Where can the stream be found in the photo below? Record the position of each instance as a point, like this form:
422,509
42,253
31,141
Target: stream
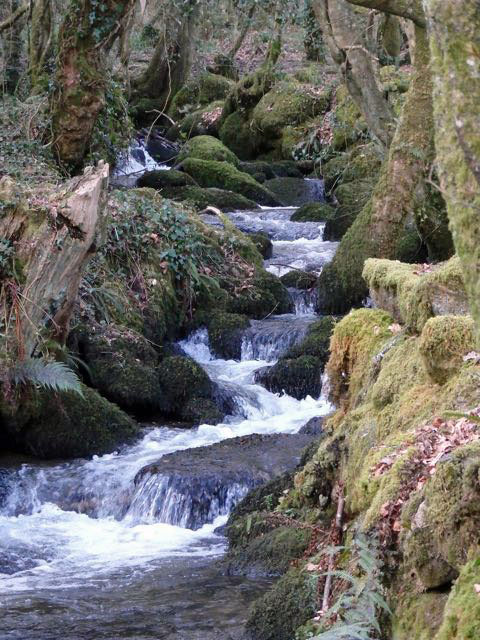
90,549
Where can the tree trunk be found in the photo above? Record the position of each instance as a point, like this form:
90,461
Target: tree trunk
345,30
11,28
41,32
243,33
454,31
51,250
399,192
171,61
86,35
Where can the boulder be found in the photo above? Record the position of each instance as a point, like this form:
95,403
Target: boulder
165,179
299,279
295,191
207,148
211,197
265,295
313,212
225,332
263,243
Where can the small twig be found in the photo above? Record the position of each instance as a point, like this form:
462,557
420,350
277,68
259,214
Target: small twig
331,562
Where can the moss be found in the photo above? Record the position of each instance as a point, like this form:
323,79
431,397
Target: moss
299,279
316,342
165,179
356,339
264,296
199,411
299,377
414,296
181,380
204,121
352,197
313,212
237,134
202,198
223,175
258,168
269,554
462,612
418,615
213,87
444,342
225,332
67,425
395,79
288,103
288,604
207,148
349,124
202,91
263,243
291,192
121,365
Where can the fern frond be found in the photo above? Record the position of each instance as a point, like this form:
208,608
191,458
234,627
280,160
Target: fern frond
49,375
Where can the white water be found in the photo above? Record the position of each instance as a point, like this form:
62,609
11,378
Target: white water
86,525
133,163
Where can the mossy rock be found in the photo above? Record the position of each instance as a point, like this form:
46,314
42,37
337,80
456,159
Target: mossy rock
202,122
263,243
207,148
313,212
288,103
165,179
260,170
202,198
288,604
418,615
269,554
359,163
286,169
299,377
349,124
237,134
199,411
200,92
225,332
223,175
444,342
263,498
462,612
70,425
395,79
265,295
291,192
182,380
299,279
224,66
122,366
317,341
213,87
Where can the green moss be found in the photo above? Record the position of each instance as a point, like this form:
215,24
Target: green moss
316,342
264,296
201,411
213,87
263,243
299,377
204,121
349,124
202,91
444,342
258,168
225,332
67,425
355,340
395,79
223,175
165,179
313,212
202,198
299,279
462,612
291,192
418,615
207,148
238,135
181,380
288,604
414,296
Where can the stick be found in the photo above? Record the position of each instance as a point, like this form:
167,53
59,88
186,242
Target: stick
331,562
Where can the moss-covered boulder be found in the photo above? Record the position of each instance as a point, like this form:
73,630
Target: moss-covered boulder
223,175
202,91
288,103
237,134
299,377
225,332
202,122
313,212
349,124
361,162
462,612
207,148
202,198
292,192
444,342
260,170
165,179
263,296
121,365
298,279
263,243
199,411
186,387
69,425
289,603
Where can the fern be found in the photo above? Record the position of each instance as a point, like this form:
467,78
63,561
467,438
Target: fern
357,609
49,375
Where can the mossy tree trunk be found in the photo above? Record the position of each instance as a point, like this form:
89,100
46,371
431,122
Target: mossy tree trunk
11,28
378,229
87,33
41,33
346,30
454,31
51,246
170,65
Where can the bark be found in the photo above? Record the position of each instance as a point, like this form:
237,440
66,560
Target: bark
170,65
41,32
410,9
18,12
399,192
51,251
454,33
88,32
345,30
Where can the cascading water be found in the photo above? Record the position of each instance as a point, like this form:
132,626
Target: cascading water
120,546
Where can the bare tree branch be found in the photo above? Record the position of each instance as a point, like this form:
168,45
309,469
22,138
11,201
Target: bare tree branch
16,15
